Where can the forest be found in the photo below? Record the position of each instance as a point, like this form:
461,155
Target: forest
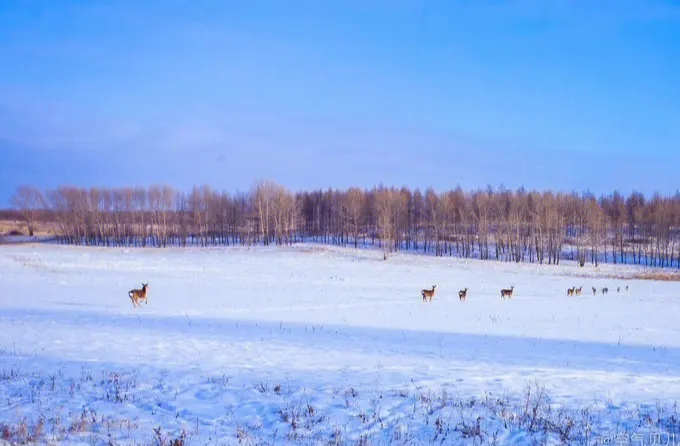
499,224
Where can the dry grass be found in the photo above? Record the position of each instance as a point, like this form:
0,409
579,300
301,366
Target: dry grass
662,274
665,275
313,249
413,415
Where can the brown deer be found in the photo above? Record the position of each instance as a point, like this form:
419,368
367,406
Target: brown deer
507,292
578,290
570,291
137,295
462,294
427,294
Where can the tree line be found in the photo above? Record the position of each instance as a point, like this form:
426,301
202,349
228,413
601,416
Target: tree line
499,224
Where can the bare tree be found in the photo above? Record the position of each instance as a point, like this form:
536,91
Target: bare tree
353,205
389,207
28,200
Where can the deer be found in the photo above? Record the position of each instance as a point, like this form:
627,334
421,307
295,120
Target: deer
507,292
137,295
594,291
570,291
618,289
626,287
462,294
605,290
578,290
427,294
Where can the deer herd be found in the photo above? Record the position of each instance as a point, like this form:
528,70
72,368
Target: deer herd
507,292
137,295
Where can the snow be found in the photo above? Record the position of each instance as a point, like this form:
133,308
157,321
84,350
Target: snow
238,344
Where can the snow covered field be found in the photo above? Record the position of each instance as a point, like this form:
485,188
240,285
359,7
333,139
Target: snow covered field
313,344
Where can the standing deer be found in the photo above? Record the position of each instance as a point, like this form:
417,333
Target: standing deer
507,292
570,291
626,287
427,294
578,290
618,289
594,291
462,294
137,295
605,290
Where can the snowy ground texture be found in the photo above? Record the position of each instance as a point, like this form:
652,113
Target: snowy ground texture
316,345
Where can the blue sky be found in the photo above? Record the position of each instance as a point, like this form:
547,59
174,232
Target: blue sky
542,94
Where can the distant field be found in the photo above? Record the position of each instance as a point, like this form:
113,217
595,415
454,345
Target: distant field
310,344
8,226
